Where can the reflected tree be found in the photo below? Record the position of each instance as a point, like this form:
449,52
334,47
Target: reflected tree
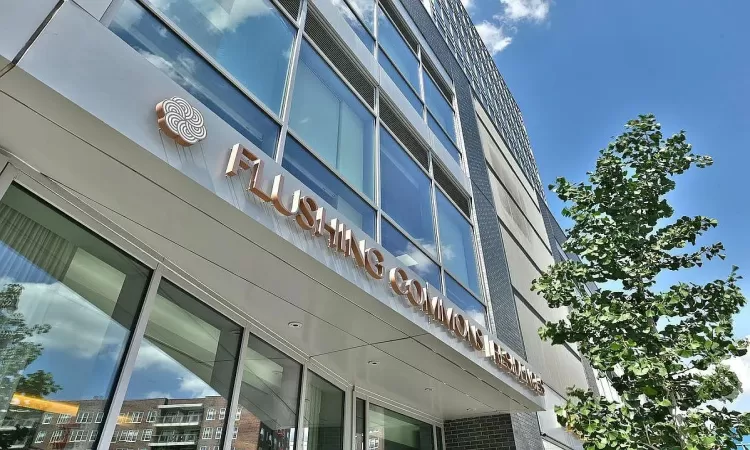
17,351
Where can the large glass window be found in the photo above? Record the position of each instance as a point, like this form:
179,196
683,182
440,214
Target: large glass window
365,9
389,430
324,415
464,300
251,39
397,49
269,396
456,243
401,83
439,106
409,254
332,121
68,303
355,22
166,51
405,191
444,139
300,163
359,425
185,365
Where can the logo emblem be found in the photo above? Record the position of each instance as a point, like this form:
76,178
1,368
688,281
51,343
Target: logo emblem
180,121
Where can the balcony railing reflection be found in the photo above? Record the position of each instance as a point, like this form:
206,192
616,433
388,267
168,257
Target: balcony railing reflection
173,439
179,419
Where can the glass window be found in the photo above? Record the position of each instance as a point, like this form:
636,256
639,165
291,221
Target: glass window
456,243
391,430
439,107
332,120
68,303
440,438
464,300
365,9
166,51
406,191
397,49
354,21
409,254
270,392
359,424
210,414
324,415
187,360
251,39
300,163
443,138
401,83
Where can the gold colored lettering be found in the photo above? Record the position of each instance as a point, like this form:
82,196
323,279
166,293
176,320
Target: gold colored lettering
239,158
374,262
276,194
414,292
397,278
430,306
476,338
461,326
305,218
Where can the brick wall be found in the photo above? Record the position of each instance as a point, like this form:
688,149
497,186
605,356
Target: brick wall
480,433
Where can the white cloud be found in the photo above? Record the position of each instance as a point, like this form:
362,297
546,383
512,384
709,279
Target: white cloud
741,366
494,37
518,10
468,4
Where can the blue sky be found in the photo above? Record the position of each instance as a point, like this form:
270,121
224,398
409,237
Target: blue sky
580,69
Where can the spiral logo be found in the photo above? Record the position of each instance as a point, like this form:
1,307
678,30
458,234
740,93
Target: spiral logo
180,121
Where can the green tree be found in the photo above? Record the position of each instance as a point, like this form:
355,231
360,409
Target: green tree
664,349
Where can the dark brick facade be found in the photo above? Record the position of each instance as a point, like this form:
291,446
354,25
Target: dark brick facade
480,433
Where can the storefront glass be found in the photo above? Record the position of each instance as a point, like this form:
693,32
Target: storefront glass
185,366
324,415
269,398
68,304
389,430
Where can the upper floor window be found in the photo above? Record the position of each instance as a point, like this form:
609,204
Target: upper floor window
439,107
330,119
398,50
251,39
354,15
457,243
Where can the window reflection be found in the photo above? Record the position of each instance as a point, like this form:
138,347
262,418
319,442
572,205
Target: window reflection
68,302
443,138
397,49
162,48
464,300
332,121
359,425
389,430
456,243
324,415
439,107
251,39
184,368
406,191
409,254
300,163
401,83
355,22
268,400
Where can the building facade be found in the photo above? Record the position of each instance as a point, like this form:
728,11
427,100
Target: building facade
269,224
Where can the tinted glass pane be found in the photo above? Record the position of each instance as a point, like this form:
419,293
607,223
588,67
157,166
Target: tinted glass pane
366,11
390,430
324,415
249,38
456,243
397,49
355,23
165,50
268,400
68,303
300,163
439,106
464,300
332,120
185,367
402,85
447,143
440,439
406,191
409,254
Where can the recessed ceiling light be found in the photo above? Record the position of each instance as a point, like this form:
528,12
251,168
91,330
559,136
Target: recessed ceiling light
373,363
470,409
295,324
428,389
